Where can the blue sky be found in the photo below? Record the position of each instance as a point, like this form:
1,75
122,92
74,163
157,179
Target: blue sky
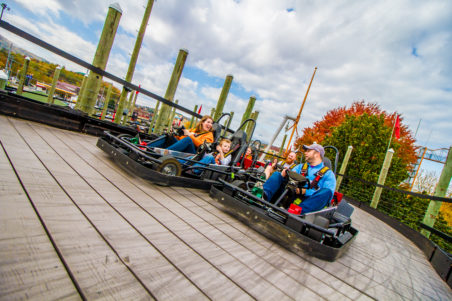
395,53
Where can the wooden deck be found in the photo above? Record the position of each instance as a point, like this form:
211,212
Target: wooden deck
75,226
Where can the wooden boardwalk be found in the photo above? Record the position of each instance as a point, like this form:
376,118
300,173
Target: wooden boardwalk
75,226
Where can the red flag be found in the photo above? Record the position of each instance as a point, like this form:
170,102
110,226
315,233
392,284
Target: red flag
199,111
397,128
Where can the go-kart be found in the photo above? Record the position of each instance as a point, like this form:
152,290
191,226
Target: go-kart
167,167
325,234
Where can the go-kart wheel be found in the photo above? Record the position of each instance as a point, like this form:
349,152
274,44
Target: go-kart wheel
170,166
316,234
240,184
122,136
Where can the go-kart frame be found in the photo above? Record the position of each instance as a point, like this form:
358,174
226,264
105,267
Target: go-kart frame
169,168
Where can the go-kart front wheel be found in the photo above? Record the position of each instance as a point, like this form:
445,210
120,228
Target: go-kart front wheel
316,234
170,166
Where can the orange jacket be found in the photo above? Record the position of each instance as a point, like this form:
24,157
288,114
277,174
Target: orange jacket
199,139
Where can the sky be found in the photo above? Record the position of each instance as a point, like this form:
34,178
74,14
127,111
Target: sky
395,53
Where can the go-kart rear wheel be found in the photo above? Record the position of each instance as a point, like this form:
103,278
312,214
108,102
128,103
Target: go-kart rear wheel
240,184
316,234
170,166
127,136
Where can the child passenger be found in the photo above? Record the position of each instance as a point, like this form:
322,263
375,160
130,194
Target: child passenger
220,157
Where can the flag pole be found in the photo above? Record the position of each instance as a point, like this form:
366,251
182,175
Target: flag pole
295,125
392,132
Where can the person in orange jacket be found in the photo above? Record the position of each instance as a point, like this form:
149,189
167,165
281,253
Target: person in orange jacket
192,138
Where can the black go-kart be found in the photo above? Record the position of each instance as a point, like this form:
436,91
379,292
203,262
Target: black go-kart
325,234
172,168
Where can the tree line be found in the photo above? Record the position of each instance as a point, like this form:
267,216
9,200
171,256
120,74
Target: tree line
43,71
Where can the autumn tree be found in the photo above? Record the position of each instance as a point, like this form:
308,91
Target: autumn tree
368,129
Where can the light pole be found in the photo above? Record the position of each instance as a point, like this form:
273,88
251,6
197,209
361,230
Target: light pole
3,8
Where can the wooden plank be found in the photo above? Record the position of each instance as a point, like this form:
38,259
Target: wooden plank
29,265
349,272
102,206
239,264
372,276
301,270
380,264
317,273
84,251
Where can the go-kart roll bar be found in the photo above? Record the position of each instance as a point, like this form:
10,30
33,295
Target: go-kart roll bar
273,207
336,157
136,149
226,126
133,147
254,127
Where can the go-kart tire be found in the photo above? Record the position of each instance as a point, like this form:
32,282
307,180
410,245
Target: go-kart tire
316,234
120,136
240,184
170,166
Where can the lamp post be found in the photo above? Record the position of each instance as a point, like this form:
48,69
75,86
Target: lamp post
4,6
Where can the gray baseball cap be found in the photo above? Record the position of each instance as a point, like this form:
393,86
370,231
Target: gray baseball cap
316,147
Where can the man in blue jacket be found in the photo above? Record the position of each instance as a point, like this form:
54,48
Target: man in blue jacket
322,179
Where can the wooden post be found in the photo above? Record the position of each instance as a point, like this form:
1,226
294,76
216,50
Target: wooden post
23,74
134,57
132,108
249,127
281,149
223,96
154,118
80,92
93,83
173,113
441,189
124,117
249,109
171,90
382,178
56,75
230,120
106,102
343,167
193,117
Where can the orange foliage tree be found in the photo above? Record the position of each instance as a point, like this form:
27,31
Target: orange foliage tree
334,123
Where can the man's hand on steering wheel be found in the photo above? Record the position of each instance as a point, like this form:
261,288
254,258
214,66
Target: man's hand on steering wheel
284,172
299,191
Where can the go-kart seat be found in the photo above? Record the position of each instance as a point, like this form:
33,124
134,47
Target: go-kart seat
216,130
327,163
238,146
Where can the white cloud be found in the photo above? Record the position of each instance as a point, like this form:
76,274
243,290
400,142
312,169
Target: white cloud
395,53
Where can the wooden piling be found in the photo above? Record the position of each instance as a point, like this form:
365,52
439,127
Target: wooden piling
93,83
249,109
223,96
23,75
134,57
56,75
107,100
171,90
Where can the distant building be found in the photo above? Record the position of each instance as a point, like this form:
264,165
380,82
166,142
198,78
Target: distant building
64,90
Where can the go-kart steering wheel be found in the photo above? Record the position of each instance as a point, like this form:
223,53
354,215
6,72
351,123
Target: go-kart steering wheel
299,180
178,131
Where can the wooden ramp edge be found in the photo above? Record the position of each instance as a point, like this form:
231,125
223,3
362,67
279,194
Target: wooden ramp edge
76,226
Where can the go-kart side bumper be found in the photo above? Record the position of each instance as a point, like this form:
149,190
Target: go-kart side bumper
147,173
273,229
